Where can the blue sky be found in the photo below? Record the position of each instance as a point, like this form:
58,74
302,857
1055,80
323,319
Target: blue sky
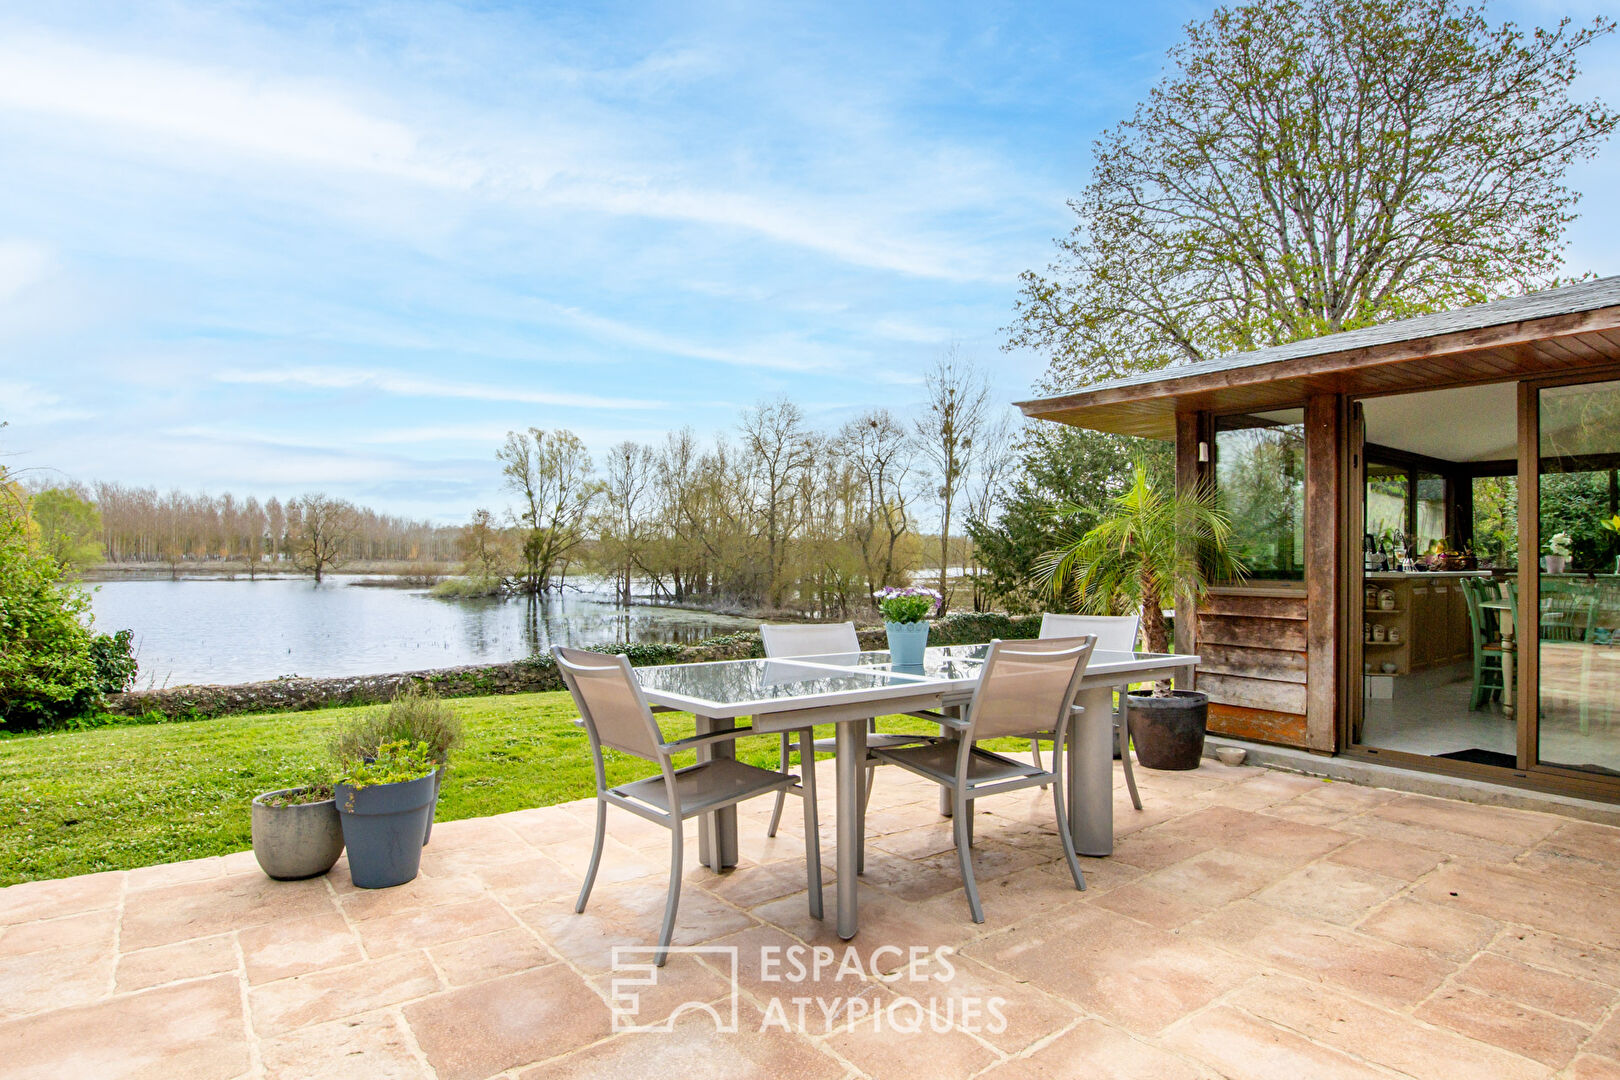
284,247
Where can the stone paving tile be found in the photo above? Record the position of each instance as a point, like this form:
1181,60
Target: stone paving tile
1249,924
1522,1030
475,1031
191,1031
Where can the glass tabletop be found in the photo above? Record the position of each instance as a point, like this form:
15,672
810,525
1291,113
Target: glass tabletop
753,682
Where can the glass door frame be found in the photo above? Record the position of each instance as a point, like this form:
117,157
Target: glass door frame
1527,673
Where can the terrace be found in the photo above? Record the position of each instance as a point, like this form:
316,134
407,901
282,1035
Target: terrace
1249,924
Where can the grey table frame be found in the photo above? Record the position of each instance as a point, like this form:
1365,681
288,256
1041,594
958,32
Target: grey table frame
1090,750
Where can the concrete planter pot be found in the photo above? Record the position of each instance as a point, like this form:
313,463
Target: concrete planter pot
1168,731
298,841
384,827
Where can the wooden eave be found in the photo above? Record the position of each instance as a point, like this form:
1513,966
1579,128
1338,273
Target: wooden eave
1551,345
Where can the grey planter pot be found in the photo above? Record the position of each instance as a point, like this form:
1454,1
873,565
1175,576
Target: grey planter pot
293,842
1169,731
384,827
438,783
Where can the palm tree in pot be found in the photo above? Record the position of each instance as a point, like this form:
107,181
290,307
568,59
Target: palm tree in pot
1153,547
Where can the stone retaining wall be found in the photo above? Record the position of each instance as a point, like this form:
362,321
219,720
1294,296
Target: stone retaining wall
518,677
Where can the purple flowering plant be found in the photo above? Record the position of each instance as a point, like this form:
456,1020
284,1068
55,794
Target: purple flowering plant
911,604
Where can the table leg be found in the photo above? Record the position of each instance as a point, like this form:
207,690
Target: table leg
1090,754
850,769
1509,655
717,831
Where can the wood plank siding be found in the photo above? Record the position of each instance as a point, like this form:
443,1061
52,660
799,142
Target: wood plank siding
1255,649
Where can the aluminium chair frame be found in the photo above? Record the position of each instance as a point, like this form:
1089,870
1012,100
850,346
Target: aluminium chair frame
675,817
1122,715
964,791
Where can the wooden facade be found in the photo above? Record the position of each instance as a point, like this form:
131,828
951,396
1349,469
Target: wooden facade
1278,663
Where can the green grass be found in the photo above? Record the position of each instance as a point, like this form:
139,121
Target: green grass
111,798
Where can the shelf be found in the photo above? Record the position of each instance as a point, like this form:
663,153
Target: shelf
1383,611
1382,644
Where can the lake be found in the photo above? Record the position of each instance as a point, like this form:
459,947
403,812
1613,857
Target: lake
214,630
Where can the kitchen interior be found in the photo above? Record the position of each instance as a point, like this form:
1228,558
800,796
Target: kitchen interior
1440,518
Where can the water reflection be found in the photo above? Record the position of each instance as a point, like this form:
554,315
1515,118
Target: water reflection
219,631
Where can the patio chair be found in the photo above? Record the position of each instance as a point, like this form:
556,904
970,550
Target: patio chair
1020,680
819,639
616,715
1487,653
1114,633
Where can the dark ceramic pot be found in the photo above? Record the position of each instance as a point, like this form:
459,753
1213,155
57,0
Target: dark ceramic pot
1168,731
384,827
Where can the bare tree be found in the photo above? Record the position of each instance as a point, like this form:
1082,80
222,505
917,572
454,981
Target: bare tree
779,447
325,528
958,399
551,473
878,452
994,460
483,550
627,481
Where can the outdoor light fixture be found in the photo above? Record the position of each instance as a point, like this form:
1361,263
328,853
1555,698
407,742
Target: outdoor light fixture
1203,452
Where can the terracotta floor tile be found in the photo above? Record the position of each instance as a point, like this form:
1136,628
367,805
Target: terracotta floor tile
628,915
1383,1036
1511,1026
1310,813
1214,878
1023,1013
1514,895
388,934
1096,1051
472,1032
1591,1067
1455,935
749,886
919,842
1606,1040
530,880
640,997
1168,909
37,982
339,992
774,968
1515,828
1014,898
924,878
171,963
1543,949
204,908
1550,860
1392,857
1263,789
178,873
1332,892
191,1031
505,952
1136,976
296,946
904,1030
420,894
885,921
694,1049
375,1045
33,900
1586,840
1573,999
90,930
1242,1047
1441,841
1319,950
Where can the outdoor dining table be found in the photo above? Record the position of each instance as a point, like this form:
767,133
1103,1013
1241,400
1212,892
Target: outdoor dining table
848,689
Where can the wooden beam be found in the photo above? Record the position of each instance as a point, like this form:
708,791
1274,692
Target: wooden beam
1190,430
1323,496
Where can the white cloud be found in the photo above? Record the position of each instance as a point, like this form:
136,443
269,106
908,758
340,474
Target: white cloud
25,404
21,265
420,386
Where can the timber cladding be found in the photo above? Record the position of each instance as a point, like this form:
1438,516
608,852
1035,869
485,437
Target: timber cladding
1254,662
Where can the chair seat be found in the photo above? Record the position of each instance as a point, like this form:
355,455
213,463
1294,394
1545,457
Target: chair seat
936,760
707,785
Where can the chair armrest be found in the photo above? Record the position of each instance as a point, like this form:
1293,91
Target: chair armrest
693,741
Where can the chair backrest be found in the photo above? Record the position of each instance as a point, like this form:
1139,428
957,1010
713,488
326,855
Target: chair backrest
1027,686
1478,625
1114,633
809,639
610,701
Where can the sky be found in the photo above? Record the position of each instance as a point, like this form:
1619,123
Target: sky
283,247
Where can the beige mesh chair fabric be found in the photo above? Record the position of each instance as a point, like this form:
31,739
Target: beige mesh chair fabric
1024,685
615,714
1114,633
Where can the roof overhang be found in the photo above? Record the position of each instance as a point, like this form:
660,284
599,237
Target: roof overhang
1550,345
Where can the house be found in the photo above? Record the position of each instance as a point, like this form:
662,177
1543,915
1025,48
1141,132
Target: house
1392,491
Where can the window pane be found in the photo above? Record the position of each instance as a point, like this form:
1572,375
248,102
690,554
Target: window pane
1260,482
1431,512
1386,499
1577,626
1496,520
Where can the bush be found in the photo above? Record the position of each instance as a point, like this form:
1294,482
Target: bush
49,669
414,716
114,657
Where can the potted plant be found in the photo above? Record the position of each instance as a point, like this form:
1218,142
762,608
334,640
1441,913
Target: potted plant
1613,525
384,805
905,617
1558,549
415,715
1152,547
296,832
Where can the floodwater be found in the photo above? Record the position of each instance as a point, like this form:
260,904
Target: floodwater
213,630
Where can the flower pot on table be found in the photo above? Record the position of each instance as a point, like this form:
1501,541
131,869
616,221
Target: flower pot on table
907,643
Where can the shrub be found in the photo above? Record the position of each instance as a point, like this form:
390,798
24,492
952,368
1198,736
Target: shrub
414,716
114,657
397,762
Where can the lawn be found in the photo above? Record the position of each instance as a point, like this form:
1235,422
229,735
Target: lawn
76,802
